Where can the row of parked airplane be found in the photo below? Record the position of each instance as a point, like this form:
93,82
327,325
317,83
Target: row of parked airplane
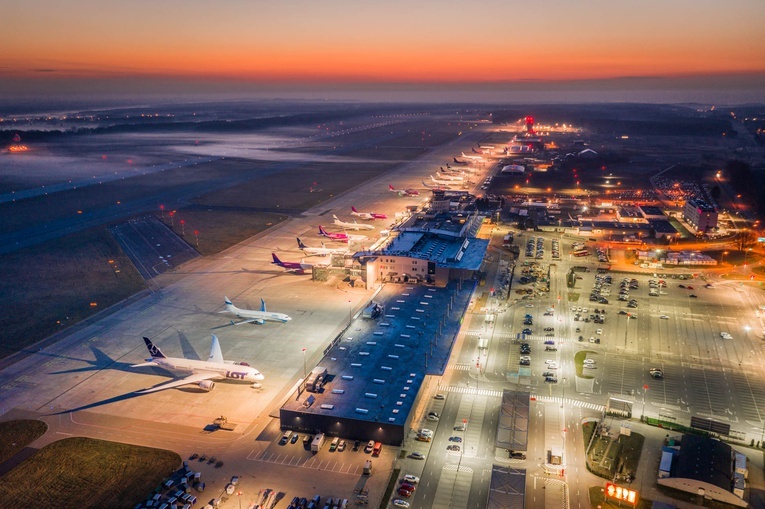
203,373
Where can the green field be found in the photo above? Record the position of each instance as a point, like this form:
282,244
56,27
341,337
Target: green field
64,281
81,473
15,435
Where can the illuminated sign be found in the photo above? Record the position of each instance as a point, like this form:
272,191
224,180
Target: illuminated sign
621,493
760,239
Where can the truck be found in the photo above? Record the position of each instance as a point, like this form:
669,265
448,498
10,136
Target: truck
372,311
368,467
317,442
315,380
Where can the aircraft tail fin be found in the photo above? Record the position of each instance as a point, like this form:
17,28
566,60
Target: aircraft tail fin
229,305
154,350
300,243
322,231
353,209
262,305
277,261
215,353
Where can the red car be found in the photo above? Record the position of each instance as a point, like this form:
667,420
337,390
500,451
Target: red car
404,492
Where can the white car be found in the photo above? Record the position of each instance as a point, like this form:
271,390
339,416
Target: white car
552,365
411,479
599,332
550,361
432,417
400,503
589,366
230,489
589,361
725,335
664,317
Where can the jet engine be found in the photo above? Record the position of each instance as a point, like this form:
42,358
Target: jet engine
206,385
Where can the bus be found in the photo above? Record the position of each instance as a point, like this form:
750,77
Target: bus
581,252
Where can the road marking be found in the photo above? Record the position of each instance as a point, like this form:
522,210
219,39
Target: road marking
570,402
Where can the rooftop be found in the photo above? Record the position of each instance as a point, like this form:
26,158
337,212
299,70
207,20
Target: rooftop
649,210
377,367
705,459
701,204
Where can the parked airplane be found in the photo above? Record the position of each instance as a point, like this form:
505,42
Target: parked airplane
296,267
436,186
455,178
341,237
457,161
477,151
474,158
367,215
352,226
442,182
404,192
260,317
201,373
323,250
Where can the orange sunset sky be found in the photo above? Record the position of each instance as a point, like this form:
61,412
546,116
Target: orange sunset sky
391,41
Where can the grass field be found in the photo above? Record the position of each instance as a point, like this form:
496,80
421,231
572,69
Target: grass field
60,283
80,473
219,229
15,435
579,358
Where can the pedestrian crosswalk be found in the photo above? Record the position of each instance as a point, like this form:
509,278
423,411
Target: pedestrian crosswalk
570,402
519,336
458,367
470,390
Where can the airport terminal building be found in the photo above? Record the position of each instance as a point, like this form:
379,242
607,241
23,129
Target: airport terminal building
435,247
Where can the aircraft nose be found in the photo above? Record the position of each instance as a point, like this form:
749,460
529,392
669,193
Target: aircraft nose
259,377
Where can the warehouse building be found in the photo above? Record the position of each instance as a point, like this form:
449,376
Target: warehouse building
375,369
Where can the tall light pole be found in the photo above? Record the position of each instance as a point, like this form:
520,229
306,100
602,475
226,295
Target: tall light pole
305,373
642,415
350,313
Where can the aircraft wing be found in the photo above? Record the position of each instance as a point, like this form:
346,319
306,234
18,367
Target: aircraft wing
144,364
259,321
191,379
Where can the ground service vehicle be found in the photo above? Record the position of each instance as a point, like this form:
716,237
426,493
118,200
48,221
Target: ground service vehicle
377,449
317,442
368,467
